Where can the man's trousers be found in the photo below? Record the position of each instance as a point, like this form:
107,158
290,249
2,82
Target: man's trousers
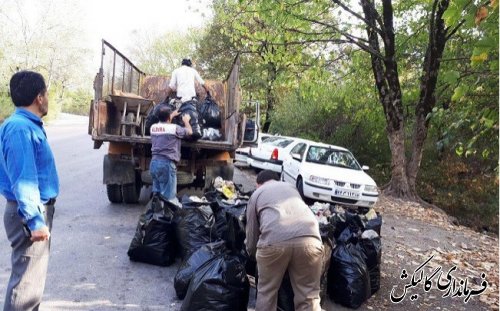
29,262
303,262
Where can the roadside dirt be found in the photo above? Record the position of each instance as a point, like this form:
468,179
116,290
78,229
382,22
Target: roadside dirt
410,235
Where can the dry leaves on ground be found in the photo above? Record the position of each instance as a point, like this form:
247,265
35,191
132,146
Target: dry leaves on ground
479,254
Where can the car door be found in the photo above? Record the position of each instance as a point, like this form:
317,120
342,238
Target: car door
293,164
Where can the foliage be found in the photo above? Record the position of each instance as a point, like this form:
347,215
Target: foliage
466,188
324,89
40,42
161,54
77,102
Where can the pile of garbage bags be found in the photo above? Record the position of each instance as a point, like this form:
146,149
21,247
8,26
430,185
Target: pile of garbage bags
206,117
208,235
354,272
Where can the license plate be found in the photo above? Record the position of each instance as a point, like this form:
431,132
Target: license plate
348,194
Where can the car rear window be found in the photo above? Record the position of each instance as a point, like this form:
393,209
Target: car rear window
282,143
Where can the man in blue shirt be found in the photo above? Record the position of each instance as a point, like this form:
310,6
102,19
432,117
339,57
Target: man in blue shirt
29,182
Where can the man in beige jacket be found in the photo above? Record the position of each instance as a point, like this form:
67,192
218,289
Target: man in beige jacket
283,234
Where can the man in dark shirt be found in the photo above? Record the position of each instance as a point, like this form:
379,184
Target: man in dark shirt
283,234
29,182
166,150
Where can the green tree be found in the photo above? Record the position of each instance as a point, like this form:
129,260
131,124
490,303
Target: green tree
381,42
163,53
42,43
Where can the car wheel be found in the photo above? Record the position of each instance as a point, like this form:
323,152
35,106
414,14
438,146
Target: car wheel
282,177
300,187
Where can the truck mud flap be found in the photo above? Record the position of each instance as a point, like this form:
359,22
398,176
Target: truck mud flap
118,171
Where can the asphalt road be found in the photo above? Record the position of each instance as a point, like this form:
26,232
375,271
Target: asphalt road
89,268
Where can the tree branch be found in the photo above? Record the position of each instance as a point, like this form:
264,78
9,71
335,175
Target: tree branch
368,23
454,30
351,38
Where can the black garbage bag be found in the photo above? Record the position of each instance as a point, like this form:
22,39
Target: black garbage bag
189,107
195,261
221,284
286,295
195,227
210,113
152,117
348,279
154,240
340,221
372,248
374,224
235,234
327,232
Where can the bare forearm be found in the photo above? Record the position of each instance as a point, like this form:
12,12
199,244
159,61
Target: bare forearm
188,128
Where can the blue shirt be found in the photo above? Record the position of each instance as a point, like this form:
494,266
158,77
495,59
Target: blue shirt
27,168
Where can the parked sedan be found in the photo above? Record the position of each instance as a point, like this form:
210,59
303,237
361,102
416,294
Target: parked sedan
241,154
329,173
270,153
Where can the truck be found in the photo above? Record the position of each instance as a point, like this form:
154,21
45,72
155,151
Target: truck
124,96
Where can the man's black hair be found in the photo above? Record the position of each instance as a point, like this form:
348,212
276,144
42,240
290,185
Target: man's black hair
25,86
164,113
266,175
187,62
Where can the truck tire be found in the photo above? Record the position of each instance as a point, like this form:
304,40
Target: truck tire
227,172
212,172
132,192
114,193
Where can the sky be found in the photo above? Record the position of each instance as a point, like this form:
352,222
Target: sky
115,20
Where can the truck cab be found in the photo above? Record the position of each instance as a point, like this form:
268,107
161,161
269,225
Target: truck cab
124,96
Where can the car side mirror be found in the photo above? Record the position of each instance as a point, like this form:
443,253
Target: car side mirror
296,156
365,167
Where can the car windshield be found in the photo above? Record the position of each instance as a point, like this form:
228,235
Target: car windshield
333,157
282,142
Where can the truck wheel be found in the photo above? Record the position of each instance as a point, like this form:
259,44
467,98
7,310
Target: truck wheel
131,192
227,172
114,193
212,172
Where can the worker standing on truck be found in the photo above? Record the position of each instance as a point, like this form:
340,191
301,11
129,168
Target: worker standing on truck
166,151
29,182
283,234
183,80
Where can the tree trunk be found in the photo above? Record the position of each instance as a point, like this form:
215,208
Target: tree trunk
270,96
428,82
385,71
398,186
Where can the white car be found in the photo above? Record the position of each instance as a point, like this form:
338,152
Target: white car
270,153
241,154
329,173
